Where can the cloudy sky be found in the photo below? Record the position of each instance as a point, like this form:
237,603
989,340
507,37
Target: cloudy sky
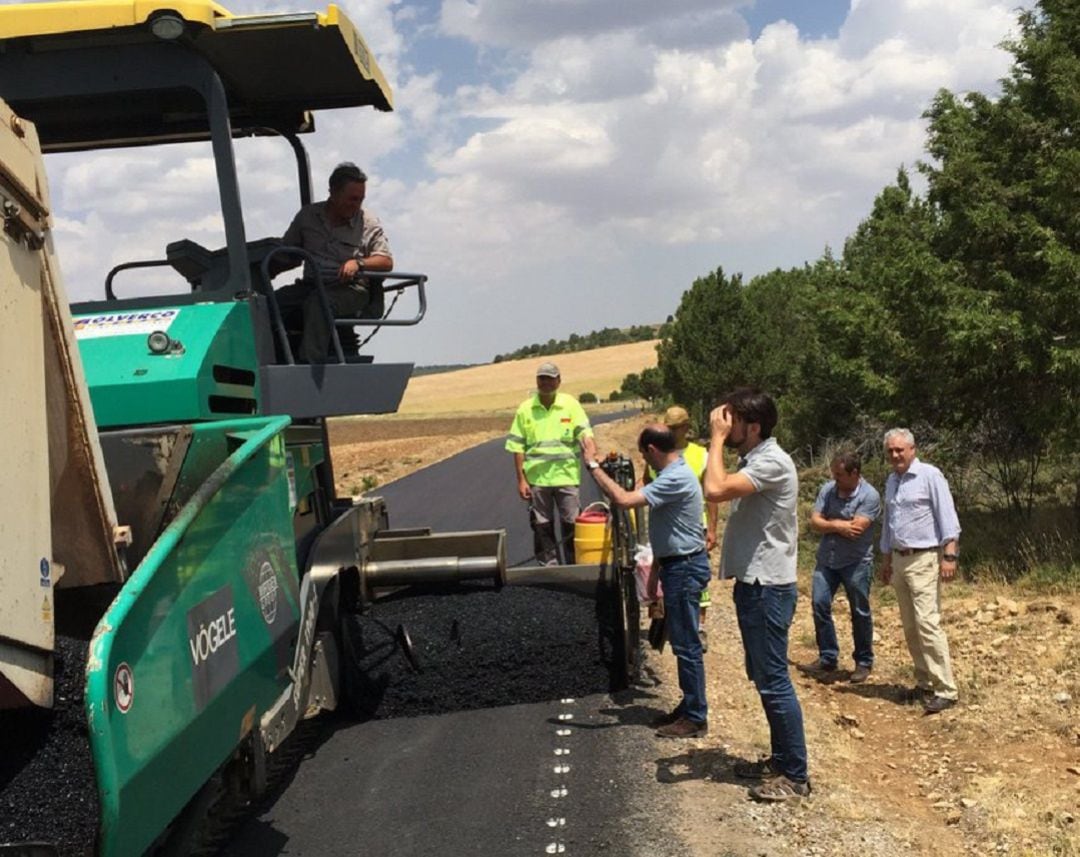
557,166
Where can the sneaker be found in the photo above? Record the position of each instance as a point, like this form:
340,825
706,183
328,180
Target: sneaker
762,769
860,674
684,728
704,635
816,668
937,704
666,719
780,789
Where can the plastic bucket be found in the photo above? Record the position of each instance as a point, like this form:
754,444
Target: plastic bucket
592,535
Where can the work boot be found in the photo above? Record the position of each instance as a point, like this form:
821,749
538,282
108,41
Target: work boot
818,667
861,674
684,728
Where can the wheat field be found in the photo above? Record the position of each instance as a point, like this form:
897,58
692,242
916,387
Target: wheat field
502,386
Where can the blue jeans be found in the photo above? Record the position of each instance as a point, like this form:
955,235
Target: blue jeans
856,581
683,581
765,614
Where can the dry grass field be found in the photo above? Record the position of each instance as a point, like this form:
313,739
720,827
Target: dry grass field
502,386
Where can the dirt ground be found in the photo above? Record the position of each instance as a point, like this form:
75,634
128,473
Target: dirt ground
999,774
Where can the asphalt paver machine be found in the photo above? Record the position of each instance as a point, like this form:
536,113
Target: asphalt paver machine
168,521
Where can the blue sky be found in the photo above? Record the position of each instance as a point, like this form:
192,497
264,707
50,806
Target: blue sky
557,166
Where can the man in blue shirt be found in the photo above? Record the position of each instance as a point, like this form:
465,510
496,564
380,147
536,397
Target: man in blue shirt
844,514
920,539
681,564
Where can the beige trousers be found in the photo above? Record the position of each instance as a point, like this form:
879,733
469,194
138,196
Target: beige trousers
918,594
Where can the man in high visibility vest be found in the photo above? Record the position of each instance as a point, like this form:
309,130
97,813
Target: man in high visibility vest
549,431
696,456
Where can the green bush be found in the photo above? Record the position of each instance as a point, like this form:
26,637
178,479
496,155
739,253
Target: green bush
587,398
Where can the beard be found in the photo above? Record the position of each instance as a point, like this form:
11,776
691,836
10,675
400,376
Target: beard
731,443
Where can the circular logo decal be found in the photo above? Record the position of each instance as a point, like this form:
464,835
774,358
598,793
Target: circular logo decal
268,590
124,688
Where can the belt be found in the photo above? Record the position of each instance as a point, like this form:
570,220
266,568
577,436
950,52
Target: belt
910,551
664,560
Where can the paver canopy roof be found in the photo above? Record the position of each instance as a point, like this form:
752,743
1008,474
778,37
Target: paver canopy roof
275,69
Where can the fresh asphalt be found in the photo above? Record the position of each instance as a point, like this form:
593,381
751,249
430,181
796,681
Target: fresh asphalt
575,776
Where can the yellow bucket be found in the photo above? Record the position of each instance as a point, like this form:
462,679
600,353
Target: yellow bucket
592,535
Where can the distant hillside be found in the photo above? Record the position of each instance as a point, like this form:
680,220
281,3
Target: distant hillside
596,339
436,369
502,386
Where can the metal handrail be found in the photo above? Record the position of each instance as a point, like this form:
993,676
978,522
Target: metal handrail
401,281
110,295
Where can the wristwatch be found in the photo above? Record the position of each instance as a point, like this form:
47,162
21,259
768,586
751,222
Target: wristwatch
950,557
593,465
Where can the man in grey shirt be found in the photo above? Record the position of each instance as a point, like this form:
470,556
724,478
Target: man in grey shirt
759,551
345,241
920,542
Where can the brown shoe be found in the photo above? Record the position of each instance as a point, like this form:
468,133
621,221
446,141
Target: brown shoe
684,728
860,674
780,789
937,704
818,667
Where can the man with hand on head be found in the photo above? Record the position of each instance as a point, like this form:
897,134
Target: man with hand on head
760,551
920,542
548,429
680,563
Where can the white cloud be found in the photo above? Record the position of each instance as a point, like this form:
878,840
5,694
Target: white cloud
598,156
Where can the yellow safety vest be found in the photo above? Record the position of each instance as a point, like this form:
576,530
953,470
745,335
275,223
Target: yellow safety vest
550,440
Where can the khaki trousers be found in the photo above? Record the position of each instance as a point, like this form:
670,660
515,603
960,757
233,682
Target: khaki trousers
917,583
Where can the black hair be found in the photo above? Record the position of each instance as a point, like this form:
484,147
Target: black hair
751,405
850,460
659,436
345,173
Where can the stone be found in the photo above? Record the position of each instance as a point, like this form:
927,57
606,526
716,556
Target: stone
967,803
1062,698
953,817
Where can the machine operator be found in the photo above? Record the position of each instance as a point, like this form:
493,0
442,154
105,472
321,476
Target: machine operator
346,241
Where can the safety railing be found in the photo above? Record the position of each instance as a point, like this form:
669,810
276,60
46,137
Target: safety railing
389,281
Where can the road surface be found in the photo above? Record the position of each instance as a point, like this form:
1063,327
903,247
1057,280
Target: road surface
570,775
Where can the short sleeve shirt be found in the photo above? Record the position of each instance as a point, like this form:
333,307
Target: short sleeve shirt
675,508
332,245
865,502
762,532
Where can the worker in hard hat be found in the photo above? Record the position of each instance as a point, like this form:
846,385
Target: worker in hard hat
677,419
549,430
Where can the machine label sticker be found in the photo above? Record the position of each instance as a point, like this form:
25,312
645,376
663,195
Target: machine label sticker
212,644
290,471
124,688
124,323
268,592
44,569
